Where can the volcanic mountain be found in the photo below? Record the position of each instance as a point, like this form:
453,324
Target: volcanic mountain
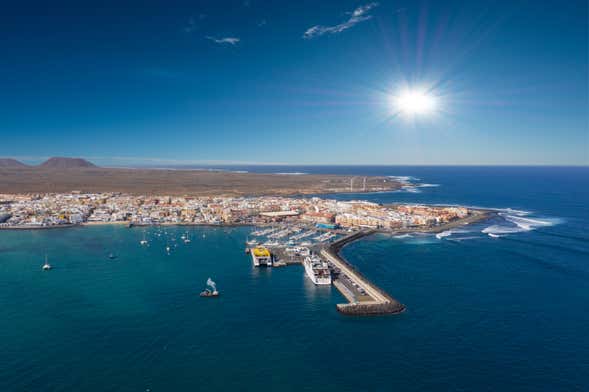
10,163
66,163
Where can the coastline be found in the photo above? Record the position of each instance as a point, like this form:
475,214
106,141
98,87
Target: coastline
381,302
479,215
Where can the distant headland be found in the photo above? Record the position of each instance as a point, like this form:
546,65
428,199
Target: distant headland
59,175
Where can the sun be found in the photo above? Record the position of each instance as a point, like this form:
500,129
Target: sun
414,102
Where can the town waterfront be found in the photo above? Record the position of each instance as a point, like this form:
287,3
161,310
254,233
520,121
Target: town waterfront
482,313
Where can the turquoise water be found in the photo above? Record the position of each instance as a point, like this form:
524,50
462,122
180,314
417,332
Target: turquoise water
483,313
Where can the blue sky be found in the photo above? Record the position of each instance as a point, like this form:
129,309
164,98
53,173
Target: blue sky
303,82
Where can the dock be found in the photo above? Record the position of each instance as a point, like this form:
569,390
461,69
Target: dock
364,297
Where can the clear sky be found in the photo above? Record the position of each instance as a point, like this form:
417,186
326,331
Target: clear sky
299,82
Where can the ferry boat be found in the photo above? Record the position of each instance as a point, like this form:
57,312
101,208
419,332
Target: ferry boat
261,256
317,270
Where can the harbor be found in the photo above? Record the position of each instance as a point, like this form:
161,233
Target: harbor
325,266
320,254
364,297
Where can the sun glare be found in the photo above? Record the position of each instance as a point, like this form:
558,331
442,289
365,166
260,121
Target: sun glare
414,102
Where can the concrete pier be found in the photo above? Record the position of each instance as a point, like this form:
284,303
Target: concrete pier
364,297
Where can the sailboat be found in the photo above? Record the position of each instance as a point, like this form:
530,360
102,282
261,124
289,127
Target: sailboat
210,290
143,241
46,266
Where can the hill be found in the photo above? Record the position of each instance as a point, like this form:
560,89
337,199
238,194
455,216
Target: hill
66,163
9,162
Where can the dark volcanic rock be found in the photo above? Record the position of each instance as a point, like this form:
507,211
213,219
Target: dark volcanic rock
65,163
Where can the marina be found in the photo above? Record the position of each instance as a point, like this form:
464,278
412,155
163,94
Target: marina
324,266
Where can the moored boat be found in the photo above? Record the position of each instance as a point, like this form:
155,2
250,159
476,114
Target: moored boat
317,270
261,256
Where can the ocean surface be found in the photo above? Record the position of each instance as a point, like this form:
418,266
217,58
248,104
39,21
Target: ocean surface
499,305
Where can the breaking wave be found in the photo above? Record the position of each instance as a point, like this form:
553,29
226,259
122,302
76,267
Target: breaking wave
410,184
517,221
448,233
402,236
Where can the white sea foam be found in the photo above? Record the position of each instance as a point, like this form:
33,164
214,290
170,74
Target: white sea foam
519,221
404,179
409,184
458,239
448,233
401,236
292,173
499,229
444,234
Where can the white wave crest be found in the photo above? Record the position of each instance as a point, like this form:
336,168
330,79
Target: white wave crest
411,189
520,221
401,236
405,179
448,233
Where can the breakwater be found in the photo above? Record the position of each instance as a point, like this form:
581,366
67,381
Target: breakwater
364,297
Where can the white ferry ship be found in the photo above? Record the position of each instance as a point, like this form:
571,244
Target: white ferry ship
261,256
317,270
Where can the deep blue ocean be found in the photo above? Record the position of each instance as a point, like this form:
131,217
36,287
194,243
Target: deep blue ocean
507,312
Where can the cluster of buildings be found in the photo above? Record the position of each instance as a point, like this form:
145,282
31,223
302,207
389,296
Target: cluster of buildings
76,208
